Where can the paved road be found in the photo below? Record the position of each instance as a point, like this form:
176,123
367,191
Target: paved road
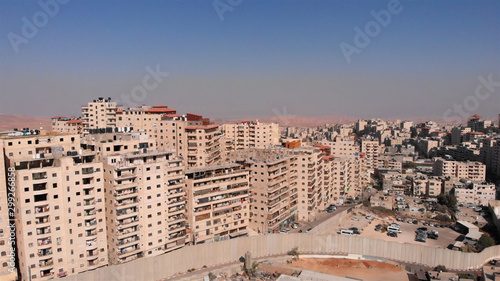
321,218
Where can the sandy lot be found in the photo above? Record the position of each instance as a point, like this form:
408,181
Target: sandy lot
446,236
365,270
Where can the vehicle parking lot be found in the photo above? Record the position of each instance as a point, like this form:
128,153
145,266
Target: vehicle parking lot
367,227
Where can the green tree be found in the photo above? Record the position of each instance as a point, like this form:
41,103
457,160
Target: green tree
440,268
448,200
294,252
485,241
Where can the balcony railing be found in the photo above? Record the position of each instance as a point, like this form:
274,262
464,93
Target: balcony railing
127,241
39,176
40,210
46,263
44,242
43,253
87,171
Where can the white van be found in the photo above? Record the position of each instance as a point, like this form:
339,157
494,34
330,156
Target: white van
394,229
347,232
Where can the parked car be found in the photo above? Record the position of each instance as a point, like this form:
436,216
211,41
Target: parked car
369,217
420,239
394,229
423,228
295,225
395,224
378,227
309,229
355,219
285,230
415,221
432,236
355,230
347,232
392,234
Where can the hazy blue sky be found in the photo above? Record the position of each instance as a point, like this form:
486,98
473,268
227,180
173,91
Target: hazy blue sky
262,57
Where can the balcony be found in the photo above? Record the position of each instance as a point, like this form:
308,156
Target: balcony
126,202
177,235
175,227
88,204
91,244
176,218
123,222
47,273
125,175
44,242
42,220
45,252
201,209
90,223
46,263
90,213
42,209
92,254
128,250
90,233
127,241
87,171
40,186
39,176
125,192
127,212
88,195
175,201
127,231
43,231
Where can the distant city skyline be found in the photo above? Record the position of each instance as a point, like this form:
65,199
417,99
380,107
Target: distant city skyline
259,60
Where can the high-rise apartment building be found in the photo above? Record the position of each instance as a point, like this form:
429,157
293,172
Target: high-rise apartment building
310,169
145,198
470,170
251,134
371,149
218,202
99,114
67,125
145,204
273,187
59,198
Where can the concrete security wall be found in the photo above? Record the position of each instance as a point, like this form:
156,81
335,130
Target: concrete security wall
217,253
326,226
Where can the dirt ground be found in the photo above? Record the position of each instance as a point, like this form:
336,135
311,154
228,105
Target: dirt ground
361,269
367,228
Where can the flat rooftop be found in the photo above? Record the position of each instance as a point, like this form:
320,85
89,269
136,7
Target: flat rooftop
211,168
